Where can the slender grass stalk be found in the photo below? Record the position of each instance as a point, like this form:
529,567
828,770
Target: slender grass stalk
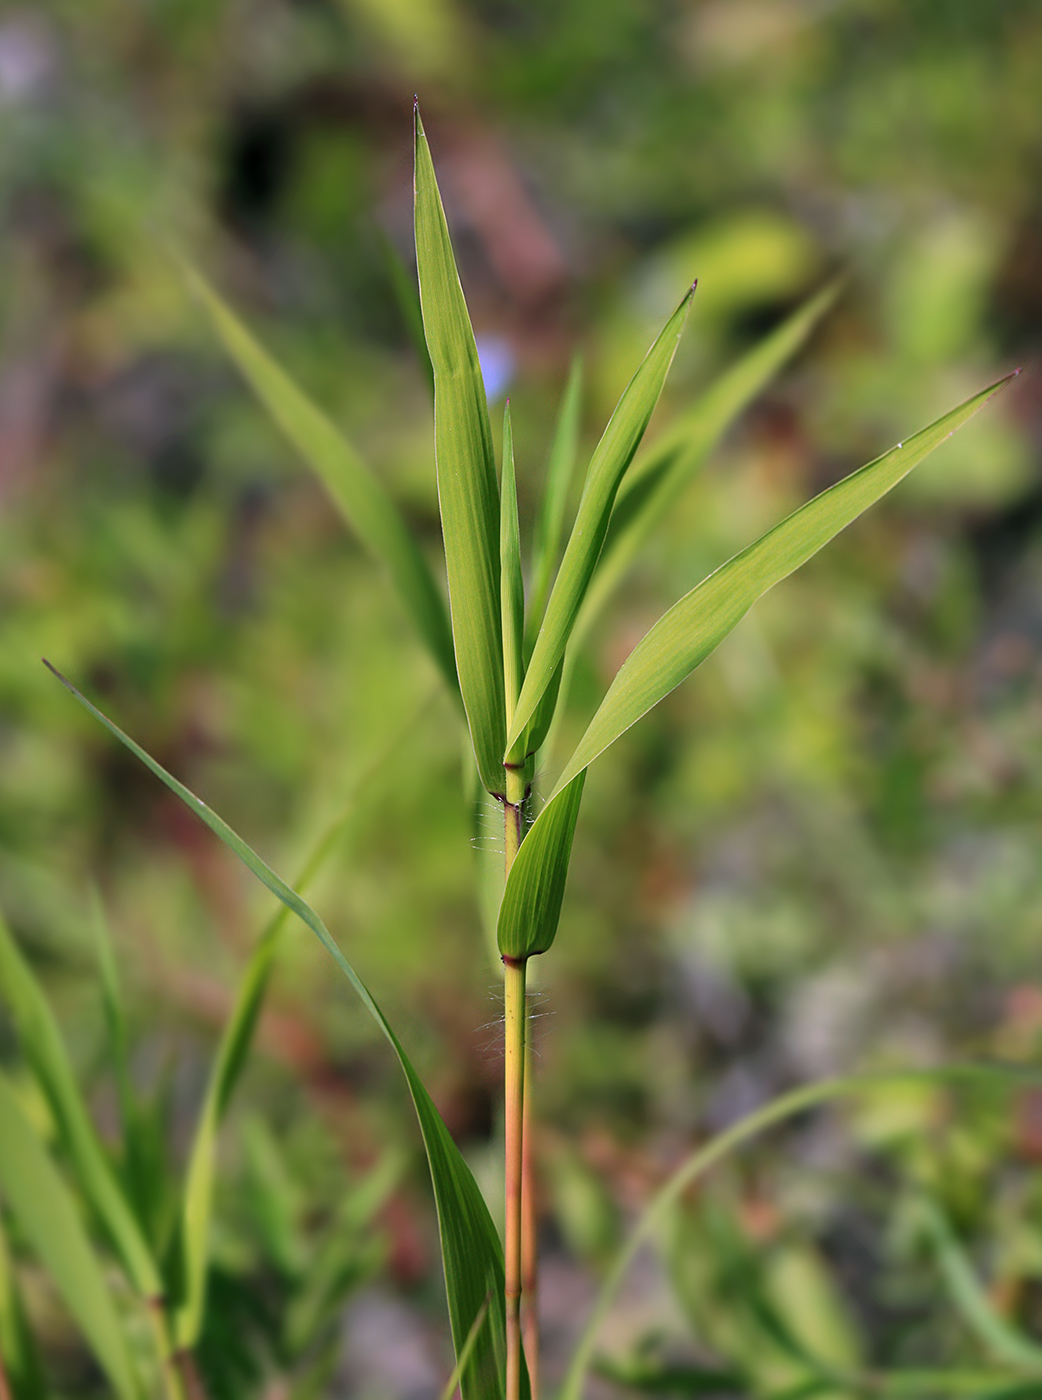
529,1234
514,1102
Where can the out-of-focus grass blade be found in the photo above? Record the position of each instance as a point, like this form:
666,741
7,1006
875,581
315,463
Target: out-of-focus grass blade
45,1211
144,1173
694,626
512,589
611,457
531,907
408,299
471,1250
359,497
44,1051
550,520
657,479
19,1360
1000,1338
467,490
797,1101
232,1053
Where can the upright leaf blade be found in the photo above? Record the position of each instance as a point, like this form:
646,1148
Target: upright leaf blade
471,1251
467,490
694,626
550,520
43,1206
531,906
19,1359
611,457
43,1049
359,497
512,592
654,484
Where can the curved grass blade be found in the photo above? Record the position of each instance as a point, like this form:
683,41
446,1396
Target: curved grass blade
1000,1338
611,457
45,1053
357,494
471,1251
696,625
550,520
467,491
531,906
700,1161
40,1200
20,1369
654,484
512,589
232,1052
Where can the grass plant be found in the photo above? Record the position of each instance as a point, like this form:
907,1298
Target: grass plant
507,660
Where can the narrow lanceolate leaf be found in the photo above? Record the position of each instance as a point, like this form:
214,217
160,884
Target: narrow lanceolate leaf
232,1053
19,1359
512,592
360,498
40,1201
657,479
467,490
550,520
531,907
697,624
471,1251
45,1052
611,457
683,638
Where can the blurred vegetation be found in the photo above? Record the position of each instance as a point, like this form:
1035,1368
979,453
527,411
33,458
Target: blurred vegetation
819,855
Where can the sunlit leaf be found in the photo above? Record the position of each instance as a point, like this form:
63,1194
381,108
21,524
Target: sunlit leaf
549,523
696,625
19,1358
467,491
611,457
512,590
657,479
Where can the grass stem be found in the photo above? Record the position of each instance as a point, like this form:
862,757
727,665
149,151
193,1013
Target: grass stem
514,1097
514,1084
529,1235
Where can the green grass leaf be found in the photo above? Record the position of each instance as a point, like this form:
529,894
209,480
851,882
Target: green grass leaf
797,1101
45,1053
994,1331
407,297
45,1211
19,1358
699,622
467,491
611,457
531,906
472,1254
512,589
549,523
656,481
232,1052
357,494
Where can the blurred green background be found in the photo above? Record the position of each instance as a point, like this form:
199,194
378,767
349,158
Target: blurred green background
819,855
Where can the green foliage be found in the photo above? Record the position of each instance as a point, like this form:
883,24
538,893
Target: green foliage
467,490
